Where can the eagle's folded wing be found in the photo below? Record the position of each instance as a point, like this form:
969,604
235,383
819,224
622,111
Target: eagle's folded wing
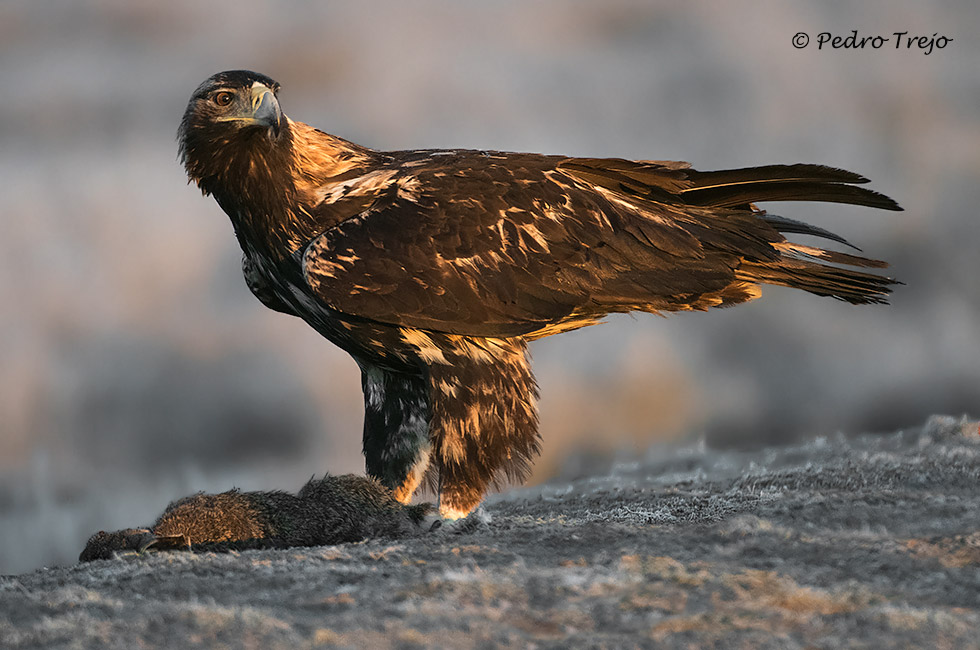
567,244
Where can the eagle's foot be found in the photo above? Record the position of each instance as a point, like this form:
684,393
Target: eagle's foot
475,520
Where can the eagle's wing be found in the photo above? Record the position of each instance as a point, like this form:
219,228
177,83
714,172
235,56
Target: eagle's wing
510,244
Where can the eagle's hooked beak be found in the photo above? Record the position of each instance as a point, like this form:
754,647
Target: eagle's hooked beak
265,108
263,111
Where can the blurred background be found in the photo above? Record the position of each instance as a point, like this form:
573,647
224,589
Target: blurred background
135,366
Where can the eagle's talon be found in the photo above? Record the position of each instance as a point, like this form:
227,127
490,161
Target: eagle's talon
476,520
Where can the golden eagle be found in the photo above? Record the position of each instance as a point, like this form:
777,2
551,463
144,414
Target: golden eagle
434,268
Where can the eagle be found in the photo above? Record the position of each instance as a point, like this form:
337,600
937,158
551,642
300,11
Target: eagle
434,269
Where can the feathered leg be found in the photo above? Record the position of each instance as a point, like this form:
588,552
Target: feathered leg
396,428
484,425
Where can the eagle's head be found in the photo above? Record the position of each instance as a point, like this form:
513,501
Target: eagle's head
232,118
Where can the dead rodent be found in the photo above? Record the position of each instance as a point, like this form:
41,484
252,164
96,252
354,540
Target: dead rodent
331,510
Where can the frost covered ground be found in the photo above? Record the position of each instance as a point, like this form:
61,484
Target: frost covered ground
870,541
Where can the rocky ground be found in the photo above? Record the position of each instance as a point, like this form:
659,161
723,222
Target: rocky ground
870,541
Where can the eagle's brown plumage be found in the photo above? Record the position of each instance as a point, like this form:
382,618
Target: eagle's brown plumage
434,268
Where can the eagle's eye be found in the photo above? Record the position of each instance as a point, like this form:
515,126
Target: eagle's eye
223,98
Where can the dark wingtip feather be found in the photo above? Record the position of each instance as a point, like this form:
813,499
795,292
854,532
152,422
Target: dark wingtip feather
737,194
892,204
795,172
666,183
799,182
881,201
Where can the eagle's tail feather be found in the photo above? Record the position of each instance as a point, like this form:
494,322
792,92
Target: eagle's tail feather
792,226
798,266
732,223
806,272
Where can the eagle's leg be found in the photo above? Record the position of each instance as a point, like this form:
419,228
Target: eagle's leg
396,428
484,425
